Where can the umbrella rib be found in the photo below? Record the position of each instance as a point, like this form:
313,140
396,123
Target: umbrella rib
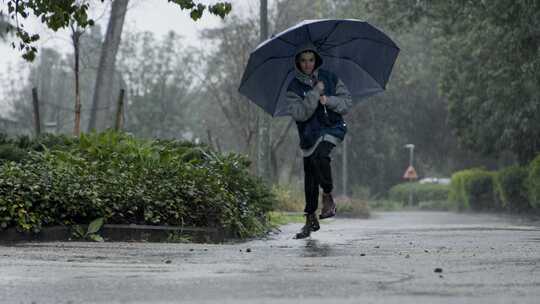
309,33
259,65
287,42
331,32
279,91
351,60
359,38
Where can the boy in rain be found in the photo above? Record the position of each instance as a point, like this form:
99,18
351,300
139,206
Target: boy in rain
317,99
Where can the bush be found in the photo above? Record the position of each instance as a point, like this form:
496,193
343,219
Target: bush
385,205
436,205
288,200
511,189
421,192
473,189
352,207
533,183
9,152
127,180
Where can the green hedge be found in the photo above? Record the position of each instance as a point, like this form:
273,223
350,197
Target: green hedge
128,180
533,183
421,192
473,189
510,188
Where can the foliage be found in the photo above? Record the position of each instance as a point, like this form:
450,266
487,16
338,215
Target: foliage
421,192
91,232
10,152
60,14
533,182
436,205
127,180
158,73
352,207
279,218
510,188
385,205
473,189
489,61
288,199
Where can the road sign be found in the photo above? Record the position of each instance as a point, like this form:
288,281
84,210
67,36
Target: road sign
410,174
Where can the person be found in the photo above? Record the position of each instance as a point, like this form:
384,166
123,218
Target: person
316,100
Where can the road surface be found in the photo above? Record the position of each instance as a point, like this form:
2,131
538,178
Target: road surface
393,257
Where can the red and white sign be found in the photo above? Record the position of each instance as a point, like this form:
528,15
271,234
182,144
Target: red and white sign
410,174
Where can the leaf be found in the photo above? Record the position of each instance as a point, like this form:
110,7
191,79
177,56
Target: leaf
78,231
96,238
94,226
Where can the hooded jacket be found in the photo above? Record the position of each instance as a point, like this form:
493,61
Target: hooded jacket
314,122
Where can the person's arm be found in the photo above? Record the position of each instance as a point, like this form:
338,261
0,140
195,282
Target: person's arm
300,108
342,101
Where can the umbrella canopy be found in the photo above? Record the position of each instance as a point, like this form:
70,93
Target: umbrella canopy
358,53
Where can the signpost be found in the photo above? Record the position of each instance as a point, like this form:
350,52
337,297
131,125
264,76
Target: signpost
410,173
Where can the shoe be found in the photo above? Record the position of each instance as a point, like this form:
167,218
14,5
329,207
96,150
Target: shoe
312,224
329,206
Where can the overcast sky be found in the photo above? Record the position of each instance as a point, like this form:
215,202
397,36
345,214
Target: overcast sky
157,16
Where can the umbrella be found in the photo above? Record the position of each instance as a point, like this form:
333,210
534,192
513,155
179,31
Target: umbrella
358,53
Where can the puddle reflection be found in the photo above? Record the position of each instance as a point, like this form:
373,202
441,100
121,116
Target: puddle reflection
315,248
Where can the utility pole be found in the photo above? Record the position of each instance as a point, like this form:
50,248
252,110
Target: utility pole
263,138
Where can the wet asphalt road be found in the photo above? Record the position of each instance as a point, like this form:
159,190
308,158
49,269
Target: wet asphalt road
390,258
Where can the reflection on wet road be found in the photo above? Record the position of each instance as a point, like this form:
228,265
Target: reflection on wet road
396,257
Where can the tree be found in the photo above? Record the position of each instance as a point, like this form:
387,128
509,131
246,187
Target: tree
489,61
159,85
60,14
263,142
103,88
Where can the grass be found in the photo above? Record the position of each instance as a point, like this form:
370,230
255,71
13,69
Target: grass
352,207
279,218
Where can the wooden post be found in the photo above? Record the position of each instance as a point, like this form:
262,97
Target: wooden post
35,103
119,111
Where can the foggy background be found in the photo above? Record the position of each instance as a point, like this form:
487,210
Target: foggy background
181,79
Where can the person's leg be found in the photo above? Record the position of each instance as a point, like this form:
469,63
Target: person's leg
311,185
324,170
311,191
322,166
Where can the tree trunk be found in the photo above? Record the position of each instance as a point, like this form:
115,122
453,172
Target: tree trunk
35,104
105,74
263,139
75,38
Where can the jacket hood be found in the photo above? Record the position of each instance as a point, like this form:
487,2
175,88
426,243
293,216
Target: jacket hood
308,47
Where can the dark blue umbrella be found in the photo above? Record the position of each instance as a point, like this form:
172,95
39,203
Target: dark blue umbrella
358,53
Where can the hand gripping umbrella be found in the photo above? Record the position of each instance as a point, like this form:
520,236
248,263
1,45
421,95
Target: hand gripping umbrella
358,53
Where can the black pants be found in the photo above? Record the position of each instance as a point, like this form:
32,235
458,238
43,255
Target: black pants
317,172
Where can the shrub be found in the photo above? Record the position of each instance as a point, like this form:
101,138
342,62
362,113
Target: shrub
10,152
127,180
352,207
421,192
533,183
510,188
472,189
288,200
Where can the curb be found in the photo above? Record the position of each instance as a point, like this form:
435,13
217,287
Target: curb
124,233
